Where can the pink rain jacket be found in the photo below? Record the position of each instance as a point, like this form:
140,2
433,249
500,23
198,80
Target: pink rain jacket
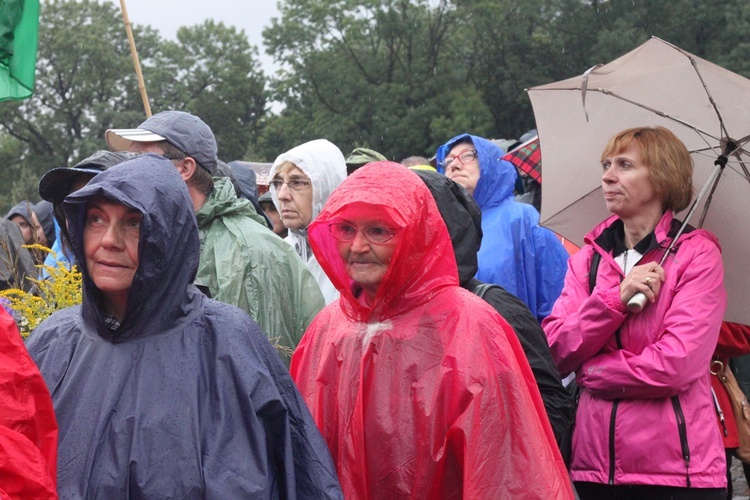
428,394
645,414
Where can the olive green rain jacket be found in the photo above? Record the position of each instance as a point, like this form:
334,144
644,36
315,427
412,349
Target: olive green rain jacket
244,264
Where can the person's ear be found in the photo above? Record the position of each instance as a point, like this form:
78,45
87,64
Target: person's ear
186,168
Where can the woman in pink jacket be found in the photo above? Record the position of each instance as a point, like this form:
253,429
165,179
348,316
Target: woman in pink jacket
645,426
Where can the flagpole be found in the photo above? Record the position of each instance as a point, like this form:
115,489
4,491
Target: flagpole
136,62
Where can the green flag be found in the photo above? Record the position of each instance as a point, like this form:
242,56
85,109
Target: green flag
19,30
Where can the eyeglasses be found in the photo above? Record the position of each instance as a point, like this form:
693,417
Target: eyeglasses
463,158
294,184
374,234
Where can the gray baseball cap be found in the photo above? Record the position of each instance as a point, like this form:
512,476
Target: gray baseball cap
183,130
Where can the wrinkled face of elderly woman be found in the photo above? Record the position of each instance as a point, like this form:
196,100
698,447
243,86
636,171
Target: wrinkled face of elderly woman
366,242
295,193
110,241
461,165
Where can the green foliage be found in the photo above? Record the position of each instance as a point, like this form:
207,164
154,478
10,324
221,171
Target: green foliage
85,84
404,76
373,73
399,76
84,78
61,290
211,71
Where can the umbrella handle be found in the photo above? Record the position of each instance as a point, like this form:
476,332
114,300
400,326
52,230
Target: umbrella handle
637,302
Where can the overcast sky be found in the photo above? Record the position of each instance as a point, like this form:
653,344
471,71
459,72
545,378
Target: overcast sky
168,15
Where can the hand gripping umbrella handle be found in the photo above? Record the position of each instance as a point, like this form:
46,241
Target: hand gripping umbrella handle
637,302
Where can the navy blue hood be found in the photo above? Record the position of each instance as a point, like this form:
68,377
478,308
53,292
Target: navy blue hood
168,249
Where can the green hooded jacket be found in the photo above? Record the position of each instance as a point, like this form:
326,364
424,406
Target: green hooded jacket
244,264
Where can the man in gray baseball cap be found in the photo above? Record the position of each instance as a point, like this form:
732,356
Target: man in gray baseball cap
242,262
186,132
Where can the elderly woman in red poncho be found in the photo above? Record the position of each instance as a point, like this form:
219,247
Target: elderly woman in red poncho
419,387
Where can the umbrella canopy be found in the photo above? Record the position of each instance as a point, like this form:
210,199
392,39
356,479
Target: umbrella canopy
527,158
705,105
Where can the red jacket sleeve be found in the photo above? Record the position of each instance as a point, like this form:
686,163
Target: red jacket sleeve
734,340
28,429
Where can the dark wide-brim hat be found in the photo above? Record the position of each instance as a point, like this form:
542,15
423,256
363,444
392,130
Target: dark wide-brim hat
58,182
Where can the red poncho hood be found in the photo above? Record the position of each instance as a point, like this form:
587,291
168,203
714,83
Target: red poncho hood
422,265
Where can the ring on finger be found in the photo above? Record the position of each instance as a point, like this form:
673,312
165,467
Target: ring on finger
648,282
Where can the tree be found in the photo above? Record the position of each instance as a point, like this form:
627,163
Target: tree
85,84
506,49
212,71
374,73
84,80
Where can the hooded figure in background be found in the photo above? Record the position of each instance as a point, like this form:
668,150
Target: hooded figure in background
419,387
43,211
16,262
516,253
302,179
246,184
22,214
464,221
160,391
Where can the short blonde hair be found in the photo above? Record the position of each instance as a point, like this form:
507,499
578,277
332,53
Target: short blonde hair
668,161
284,168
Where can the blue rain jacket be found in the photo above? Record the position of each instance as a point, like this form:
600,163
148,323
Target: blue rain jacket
187,399
516,253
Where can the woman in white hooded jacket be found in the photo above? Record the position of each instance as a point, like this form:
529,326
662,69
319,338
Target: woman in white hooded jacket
302,179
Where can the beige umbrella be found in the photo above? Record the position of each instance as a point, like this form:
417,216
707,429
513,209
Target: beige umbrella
706,106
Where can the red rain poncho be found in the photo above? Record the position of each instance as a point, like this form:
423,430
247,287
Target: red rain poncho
28,429
428,394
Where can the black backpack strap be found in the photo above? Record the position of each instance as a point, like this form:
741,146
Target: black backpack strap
594,269
573,388
481,290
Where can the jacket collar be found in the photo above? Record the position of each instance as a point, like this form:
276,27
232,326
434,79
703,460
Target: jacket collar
609,236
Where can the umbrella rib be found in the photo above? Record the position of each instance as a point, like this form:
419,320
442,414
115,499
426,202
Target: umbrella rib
738,151
694,64
742,164
659,113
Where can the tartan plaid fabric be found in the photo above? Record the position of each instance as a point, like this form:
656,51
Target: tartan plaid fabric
528,159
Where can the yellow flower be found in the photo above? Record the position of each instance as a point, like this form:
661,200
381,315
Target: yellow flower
62,289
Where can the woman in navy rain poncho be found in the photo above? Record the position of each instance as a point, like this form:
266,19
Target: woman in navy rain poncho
174,395
516,253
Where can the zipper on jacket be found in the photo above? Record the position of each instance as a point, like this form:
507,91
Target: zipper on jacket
720,413
612,420
682,429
